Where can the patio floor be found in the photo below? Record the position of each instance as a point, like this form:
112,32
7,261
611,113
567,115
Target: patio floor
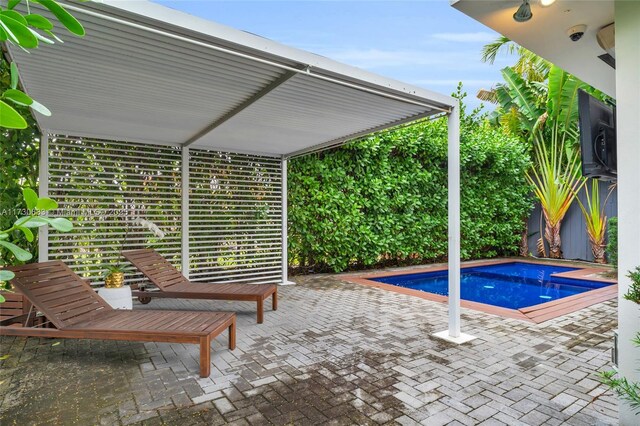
334,352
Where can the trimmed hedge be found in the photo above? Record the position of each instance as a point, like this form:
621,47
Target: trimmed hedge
383,200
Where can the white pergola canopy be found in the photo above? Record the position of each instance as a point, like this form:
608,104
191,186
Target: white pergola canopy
147,73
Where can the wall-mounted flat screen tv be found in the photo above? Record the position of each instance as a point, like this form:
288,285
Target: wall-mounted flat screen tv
597,137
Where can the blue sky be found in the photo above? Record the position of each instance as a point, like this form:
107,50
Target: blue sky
425,43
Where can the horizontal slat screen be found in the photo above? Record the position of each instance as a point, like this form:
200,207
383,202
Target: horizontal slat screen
234,217
103,187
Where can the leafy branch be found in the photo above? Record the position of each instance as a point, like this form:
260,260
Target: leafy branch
626,390
27,31
38,207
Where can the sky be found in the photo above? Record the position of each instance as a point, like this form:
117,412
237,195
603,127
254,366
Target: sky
425,43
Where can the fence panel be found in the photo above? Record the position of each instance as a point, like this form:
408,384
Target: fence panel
102,187
235,210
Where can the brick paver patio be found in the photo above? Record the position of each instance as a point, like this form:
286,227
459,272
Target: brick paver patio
334,353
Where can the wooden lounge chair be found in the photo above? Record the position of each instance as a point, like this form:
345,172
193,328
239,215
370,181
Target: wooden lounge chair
77,312
173,284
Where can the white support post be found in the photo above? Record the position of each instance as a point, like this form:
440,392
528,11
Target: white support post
454,222
284,219
627,16
453,334
185,212
43,184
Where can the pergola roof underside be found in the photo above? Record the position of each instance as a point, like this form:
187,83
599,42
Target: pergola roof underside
126,83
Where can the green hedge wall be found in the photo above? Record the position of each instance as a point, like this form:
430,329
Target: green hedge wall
383,200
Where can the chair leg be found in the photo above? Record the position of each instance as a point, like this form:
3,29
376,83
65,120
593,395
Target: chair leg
205,356
232,335
260,310
274,300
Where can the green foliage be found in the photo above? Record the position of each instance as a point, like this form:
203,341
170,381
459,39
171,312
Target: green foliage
20,153
595,219
529,66
634,289
556,180
384,199
27,30
35,218
612,241
112,268
626,390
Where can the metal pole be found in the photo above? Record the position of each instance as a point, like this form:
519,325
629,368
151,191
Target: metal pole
43,184
454,222
285,258
453,334
185,212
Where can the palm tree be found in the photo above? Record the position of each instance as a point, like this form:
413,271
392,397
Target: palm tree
529,66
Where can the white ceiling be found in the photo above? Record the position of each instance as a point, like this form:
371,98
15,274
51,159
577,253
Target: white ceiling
545,34
146,73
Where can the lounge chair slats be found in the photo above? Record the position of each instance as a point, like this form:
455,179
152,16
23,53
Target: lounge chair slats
172,284
36,285
77,312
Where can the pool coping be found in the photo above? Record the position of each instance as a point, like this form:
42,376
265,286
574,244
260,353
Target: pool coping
536,313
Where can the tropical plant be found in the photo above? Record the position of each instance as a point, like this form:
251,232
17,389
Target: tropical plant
529,66
28,30
628,391
556,178
542,114
122,267
520,101
595,219
37,209
633,294
113,268
520,104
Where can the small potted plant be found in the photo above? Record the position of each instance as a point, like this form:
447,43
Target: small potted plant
114,272
114,275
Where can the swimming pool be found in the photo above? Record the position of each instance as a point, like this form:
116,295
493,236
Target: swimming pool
512,285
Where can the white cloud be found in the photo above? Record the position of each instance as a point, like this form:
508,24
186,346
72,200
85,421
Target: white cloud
476,37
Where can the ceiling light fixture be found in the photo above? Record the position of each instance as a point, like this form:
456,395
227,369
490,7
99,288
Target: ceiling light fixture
524,12
547,3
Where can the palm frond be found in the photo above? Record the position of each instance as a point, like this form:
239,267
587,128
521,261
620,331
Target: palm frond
542,250
490,51
487,95
522,96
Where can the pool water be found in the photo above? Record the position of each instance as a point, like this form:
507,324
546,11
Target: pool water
511,285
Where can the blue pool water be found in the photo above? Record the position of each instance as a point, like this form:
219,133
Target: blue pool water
512,285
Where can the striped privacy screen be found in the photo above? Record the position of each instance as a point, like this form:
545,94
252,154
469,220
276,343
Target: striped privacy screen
113,191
